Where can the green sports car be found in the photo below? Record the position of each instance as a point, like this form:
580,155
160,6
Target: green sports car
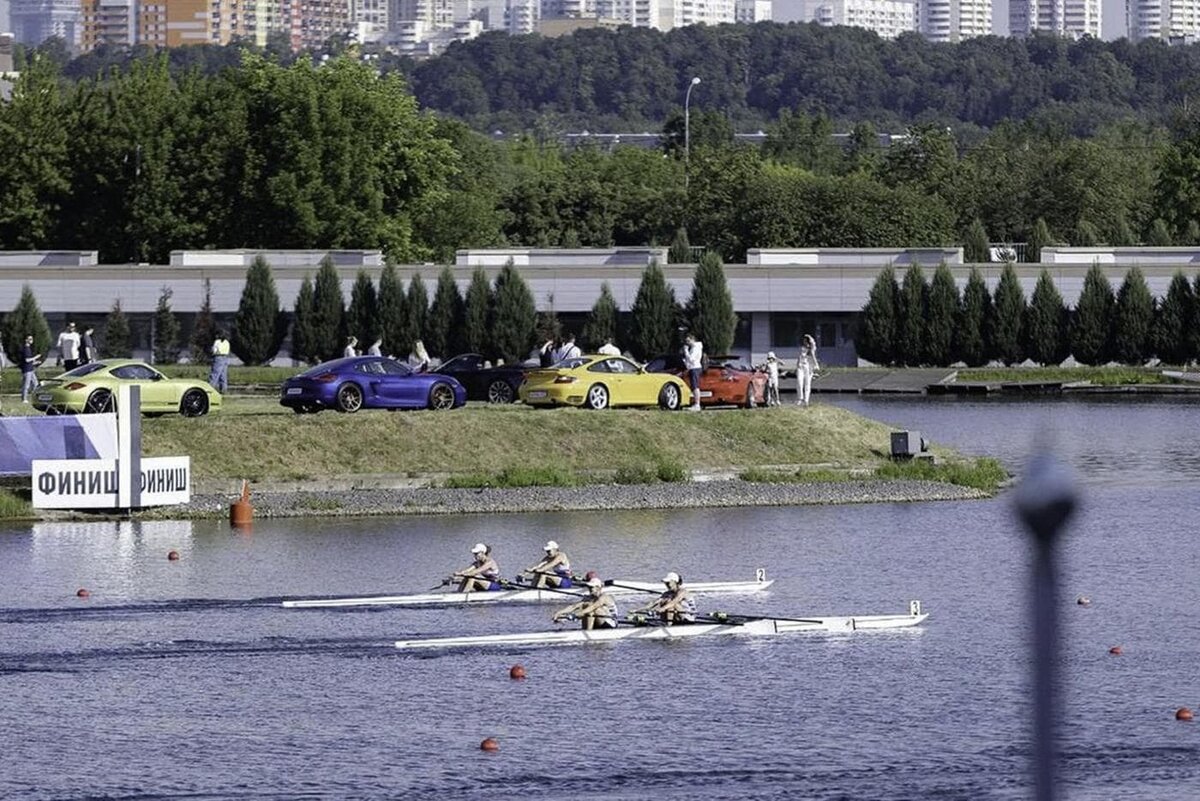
92,388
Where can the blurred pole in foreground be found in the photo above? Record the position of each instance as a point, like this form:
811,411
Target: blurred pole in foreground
1045,499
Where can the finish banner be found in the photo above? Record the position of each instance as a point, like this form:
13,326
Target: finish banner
94,483
24,439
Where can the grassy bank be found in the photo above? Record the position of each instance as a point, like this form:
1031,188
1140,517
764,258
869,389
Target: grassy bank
981,474
1101,376
13,506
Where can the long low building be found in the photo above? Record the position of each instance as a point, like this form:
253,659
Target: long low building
778,294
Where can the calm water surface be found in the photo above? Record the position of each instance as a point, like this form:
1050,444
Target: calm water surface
186,680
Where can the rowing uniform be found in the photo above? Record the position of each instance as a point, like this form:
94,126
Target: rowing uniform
686,612
606,615
563,572
491,571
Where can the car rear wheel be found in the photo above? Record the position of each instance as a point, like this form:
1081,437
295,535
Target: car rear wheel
99,402
349,398
597,397
669,397
441,397
500,391
194,403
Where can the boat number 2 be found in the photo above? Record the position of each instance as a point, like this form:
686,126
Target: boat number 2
760,575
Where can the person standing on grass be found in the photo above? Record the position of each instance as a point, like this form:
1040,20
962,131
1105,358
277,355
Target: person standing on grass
806,368
68,347
546,353
376,348
569,350
772,379
608,348
219,375
693,362
351,348
87,346
29,363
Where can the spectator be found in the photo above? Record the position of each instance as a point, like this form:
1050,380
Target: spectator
68,347
376,348
29,363
546,353
806,368
350,352
772,379
608,348
418,360
569,350
87,349
693,362
219,375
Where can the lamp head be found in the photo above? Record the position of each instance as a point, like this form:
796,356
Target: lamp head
695,80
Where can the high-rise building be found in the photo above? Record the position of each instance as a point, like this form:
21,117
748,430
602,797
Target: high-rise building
887,18
1068,18
954,20
321,20
1173,20
751,11
35,21
108,22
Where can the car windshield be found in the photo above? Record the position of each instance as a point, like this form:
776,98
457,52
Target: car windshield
326,367
85,369
135,372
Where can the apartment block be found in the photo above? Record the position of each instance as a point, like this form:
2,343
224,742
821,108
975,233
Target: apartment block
35,21
1068,18
1172,20
887,18
954,20
109,22
751,11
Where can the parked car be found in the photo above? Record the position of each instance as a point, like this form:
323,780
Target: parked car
598,382
484,383
369,382
723,382
92,388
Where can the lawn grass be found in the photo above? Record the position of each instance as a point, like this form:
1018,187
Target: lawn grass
1101,376
981,474
13,506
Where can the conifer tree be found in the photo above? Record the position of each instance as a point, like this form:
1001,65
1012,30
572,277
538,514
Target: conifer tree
258,327
681,251
910,332
26,318
477,313
944,310
876,341
602,321
393,313
710,308
514,322
416,308
654,315
1039,238
1160,234
445,318
362,317
1174,321
1191,234
549,327
1134,319
971,335
1091,324
1008,317
166,329
304,337
975,243
329,311
1046,323
118,341
1086,234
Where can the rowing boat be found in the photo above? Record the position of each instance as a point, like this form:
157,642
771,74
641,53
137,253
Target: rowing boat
751,627
530,595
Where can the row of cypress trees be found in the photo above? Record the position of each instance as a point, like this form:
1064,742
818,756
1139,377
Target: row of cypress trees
915,322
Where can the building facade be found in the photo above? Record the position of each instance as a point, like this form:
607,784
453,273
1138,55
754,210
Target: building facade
1171,20
1067,18
748,12
954,20
887,18
35,21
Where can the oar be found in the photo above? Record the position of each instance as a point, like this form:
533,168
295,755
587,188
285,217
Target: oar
729,617
614,583
516,585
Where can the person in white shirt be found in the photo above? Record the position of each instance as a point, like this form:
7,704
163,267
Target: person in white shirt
418,360
218,376
376,348
569,350
772,379
597,610
693,362
351,351
608,348
806,368
68,347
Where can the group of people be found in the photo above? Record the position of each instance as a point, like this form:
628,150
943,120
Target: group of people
74,349
595,610
806,368
418,360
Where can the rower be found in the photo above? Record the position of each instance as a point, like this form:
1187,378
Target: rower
481,574
597,611
553,571
676,605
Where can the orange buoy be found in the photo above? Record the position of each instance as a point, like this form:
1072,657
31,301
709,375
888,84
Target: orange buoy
1115,650
489,744
1083,600
82,592
1183,713
516,672
241,513
173,556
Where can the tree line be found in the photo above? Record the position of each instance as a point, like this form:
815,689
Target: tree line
918,322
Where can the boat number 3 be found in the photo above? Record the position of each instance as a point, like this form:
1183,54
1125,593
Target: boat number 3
760,575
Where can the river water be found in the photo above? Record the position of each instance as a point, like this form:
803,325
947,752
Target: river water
185,679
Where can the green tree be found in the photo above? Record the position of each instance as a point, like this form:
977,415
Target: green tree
548,327
1091,324
259,325
681,249
975,243
118,340
416,304
1160,234
1175,320
477,313
942,316
1008,317
304,336
710,308
26,318
514,322
911,328
971,336
204,328
601,324
1191,233
329,311
1039,238
877,334
654,316
1046,323
1134,319
1087,235
393,313
362,316
166,329
446,317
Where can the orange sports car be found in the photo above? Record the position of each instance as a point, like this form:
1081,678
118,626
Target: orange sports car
724,381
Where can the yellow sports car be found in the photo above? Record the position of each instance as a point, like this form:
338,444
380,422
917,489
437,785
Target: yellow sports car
598,382
92,388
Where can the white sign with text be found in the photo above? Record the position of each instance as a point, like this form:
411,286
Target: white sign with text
94,483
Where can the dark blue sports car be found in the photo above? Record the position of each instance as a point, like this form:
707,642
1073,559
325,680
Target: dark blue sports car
371,382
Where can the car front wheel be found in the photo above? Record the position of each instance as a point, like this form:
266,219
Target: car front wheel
441,397
597,397
194,403
349,398
669,397
500,391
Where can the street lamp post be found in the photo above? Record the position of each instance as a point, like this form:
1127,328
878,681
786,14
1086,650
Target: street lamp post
687,129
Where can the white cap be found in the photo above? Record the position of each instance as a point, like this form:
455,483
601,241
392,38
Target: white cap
479,548
551,546
595,582
770,354
671,578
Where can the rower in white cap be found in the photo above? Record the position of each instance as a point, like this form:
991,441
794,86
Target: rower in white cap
482,574
597,611
553,571
675,605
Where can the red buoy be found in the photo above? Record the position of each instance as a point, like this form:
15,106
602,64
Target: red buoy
1083,600
241,513
173,556
1183,713
1115,650
82,593
516,672
489,744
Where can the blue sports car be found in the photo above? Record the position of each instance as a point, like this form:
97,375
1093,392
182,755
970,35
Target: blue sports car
371,382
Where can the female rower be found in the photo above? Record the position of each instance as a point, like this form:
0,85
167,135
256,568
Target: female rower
597,611
482,574
676,604
553,571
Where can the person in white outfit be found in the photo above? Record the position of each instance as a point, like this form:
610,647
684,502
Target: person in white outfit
772,379
569,350
806,368
609,349
351,348
68,347
376,348
693,362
